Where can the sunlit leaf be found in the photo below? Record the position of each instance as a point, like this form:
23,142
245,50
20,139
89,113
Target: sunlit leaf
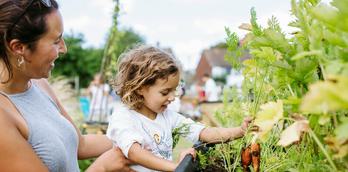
266,54
293,133
267,117
326,13
304,54
326,96
342,5
324,119
250,68
335,38
341,132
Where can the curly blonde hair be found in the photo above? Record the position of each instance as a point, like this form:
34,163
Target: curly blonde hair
139,67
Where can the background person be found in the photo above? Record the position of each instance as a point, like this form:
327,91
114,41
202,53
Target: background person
99,104
210,89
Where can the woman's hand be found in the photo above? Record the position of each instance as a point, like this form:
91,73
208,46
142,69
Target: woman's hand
111,161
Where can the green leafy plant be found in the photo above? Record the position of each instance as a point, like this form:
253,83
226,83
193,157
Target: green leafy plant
296,88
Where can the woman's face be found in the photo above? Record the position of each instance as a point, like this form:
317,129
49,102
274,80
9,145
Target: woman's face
40,62
158,96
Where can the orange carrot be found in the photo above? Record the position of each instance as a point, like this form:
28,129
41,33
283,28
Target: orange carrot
246,158
255,154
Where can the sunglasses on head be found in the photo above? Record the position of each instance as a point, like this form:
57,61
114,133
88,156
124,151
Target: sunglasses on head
46,3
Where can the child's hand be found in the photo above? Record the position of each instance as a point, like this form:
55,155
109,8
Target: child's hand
187,151
245,124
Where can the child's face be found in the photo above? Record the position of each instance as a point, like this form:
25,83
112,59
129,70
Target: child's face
158,96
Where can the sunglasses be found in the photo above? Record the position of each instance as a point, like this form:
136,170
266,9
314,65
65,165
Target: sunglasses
46,3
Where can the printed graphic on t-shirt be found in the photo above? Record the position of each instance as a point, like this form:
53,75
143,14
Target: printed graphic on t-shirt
161,143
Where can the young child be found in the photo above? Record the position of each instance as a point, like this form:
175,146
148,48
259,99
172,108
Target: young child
147,81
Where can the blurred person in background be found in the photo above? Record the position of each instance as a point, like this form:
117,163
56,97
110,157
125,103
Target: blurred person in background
100,97
210,89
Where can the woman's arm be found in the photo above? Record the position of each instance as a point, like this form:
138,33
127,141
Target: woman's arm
112,160
93,145
15,152
145,158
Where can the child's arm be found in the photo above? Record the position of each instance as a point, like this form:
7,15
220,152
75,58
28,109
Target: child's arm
215,134
145,158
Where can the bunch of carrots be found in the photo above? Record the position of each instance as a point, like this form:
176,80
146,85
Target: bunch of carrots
251,155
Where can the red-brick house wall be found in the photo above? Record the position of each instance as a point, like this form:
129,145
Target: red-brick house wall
202,68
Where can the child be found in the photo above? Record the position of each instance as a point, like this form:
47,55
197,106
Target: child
146,82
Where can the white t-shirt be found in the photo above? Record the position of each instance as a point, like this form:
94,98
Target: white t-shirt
128,126
211,90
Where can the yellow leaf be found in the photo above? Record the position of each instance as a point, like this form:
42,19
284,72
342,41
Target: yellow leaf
293,132
269,115
324,119
326,96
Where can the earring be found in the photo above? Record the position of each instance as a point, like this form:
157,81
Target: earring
20,61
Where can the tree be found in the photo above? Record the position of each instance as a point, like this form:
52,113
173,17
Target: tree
85,62
118,41
78,61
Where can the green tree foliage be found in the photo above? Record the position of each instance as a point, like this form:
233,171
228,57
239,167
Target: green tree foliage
78,61
85,62
118,41
124,40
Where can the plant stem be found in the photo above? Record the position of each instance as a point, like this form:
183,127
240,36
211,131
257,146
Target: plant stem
257,101
335,120
322,70
255,81
290,89
316,139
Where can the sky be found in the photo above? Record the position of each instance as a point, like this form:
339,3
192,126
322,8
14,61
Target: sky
186,26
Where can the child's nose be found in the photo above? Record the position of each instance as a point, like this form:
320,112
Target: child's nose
171,97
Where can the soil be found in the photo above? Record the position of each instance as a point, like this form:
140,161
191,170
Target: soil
217,166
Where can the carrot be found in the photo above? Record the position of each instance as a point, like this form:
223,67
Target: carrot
255,154
246,158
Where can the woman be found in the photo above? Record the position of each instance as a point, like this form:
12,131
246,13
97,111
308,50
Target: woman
36,132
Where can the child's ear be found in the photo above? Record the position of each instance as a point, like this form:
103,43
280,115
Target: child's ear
140,91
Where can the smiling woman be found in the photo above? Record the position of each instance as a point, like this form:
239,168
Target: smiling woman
40,135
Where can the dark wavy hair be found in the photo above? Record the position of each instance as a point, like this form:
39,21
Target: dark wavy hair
139,67
28,28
